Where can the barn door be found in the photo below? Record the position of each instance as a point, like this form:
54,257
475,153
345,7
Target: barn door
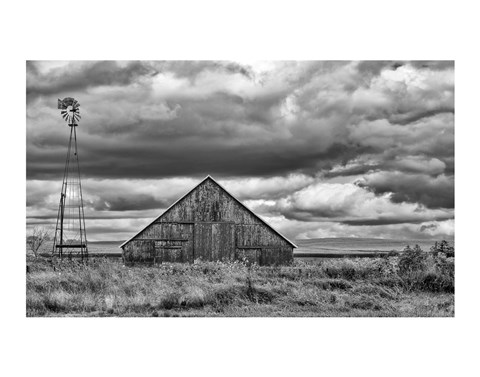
170,251
174,242
214,241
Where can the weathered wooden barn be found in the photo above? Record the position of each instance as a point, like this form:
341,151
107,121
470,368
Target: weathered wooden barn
208,223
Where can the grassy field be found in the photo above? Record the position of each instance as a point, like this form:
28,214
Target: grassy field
329,287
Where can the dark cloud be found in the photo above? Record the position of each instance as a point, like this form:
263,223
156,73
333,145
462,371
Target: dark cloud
423,228
411,117
350,171
434,65
98,216
107,228
83,76
192,69
195,157
237,68
374,67
137,202
437,192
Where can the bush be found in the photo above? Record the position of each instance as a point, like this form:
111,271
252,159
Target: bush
387,267
418,270
443,248
346,269
444,265
437,282
411,261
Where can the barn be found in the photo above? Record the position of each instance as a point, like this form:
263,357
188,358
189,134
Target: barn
208,223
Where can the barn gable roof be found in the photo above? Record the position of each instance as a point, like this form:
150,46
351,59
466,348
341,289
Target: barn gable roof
208,177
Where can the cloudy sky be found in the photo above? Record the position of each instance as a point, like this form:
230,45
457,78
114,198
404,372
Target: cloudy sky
318,149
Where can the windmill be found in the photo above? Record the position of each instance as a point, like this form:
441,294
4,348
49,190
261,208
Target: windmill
70,234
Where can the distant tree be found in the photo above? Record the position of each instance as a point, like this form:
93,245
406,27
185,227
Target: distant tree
36,240
443,247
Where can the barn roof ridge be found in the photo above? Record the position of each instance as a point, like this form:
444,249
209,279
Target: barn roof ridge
224,189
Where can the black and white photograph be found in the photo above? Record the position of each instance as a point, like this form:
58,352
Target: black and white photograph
237,188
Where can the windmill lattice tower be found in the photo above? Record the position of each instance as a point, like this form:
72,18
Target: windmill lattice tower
70,234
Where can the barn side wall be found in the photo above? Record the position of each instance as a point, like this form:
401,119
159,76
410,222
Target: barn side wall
171,238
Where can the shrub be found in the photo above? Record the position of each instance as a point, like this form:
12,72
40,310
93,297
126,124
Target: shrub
411,261
386,267
445,265
441,278
437,282
343,270
444,248
419,271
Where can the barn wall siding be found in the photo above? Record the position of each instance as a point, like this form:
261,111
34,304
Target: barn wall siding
208,224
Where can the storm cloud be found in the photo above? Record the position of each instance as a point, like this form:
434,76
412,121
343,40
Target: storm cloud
289,138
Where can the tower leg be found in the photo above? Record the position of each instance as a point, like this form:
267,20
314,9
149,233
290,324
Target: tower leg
70,235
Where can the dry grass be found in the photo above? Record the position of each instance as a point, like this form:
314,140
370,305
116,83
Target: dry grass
340,287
